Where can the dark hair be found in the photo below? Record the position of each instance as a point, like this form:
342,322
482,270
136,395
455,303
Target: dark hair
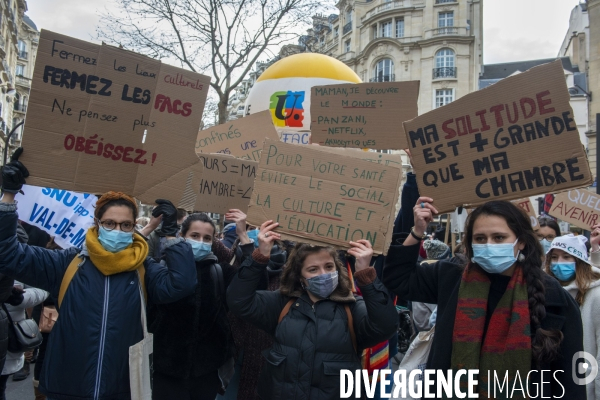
117,202
545,345
292,271
550,223
202,217
181,213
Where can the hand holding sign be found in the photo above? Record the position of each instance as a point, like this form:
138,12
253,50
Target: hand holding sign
363,252
423,212
267,237
239,217
14,173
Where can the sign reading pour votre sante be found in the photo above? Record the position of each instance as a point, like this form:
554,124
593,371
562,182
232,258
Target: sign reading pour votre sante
320,196
514,139
103,118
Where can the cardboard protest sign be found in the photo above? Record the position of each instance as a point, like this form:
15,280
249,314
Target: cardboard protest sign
62,214
102,118
227,182
364,115
526,205
323,197
241,138
578,207
514,139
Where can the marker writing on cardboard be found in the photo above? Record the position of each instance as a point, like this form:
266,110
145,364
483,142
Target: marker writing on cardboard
95,146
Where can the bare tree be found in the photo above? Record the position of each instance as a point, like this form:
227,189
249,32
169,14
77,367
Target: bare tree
221,38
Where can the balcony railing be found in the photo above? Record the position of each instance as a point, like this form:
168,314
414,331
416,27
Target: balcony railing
21,80
447,30
384,78
445,1
444,72
391,5
347,28
23,55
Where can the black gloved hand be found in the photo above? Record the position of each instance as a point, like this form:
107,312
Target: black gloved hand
169,217
16,297
14,173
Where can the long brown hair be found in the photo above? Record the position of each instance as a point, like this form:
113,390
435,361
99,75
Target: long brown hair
545,344
292,271
584,276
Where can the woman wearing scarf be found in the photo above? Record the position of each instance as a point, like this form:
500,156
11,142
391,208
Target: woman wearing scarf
317,323
501,314
88,352
567,260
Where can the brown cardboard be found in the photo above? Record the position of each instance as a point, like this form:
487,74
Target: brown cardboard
227,183
92,140
319,196
464,155
241,138
364,115
578,207
527,205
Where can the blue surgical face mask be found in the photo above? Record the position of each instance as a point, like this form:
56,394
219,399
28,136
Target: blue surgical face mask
495,258
253,234
200,249
546,245
323,285
563,271
115,240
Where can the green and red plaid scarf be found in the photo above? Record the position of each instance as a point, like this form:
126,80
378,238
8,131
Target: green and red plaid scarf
507,343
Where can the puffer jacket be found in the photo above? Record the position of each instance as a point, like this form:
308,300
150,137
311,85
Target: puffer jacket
192,336
312,342
88,352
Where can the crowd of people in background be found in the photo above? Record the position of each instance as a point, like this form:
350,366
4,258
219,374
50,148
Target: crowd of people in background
242,314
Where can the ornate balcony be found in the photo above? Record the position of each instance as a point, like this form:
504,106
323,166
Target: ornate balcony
444,72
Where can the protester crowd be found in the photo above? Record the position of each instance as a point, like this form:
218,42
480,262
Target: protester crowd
243,314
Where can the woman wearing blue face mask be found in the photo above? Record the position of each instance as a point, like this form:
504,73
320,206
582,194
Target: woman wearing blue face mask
501,314
309,316
193,345
567,260
88,350
547,231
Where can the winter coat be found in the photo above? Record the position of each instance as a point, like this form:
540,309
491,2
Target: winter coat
312,342
88,351
439,284
31,298
591,327
192,336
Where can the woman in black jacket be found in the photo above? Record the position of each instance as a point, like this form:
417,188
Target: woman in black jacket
501,314
192,337
308,316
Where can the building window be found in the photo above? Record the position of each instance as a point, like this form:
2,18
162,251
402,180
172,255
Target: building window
374,31
399,28
347,45
386,29
22,49
336,31
445,22
444,64
20,71
443,97
444,1
384,71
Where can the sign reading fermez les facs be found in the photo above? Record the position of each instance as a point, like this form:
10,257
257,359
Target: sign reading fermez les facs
103,118
514,139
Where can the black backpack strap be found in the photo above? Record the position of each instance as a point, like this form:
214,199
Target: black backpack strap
216,273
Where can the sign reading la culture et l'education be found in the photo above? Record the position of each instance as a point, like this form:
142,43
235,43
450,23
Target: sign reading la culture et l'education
103,118
363,115
325,196
514,139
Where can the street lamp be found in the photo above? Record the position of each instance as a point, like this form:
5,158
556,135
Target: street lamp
5,155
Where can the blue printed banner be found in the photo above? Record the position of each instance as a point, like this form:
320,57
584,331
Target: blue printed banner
63,214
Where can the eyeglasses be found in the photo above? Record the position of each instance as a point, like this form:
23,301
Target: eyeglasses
109,225
548,238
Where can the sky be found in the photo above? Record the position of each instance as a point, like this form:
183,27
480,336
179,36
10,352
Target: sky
514,30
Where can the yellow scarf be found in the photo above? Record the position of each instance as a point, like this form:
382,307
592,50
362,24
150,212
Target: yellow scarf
129,259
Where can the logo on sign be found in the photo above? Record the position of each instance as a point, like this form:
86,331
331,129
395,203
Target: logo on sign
287,108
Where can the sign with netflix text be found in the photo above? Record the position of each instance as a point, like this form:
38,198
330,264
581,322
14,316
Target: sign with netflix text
514,139
103,118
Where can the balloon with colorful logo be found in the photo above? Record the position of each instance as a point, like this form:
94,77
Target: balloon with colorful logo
284,90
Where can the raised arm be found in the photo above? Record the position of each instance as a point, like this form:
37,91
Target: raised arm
401,273
261,308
